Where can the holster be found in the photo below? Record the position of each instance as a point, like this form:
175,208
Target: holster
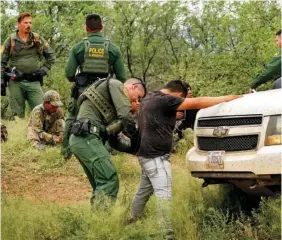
81,127
3,89
16,75
6,77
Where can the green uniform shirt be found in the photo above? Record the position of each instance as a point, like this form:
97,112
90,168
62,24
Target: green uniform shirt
272,71
76,57
118,97
25,55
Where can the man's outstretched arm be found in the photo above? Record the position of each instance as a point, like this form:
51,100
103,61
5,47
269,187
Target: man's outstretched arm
204,102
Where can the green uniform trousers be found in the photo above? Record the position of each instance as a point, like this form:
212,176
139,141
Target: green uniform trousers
72,113
71,117
19,91
97,164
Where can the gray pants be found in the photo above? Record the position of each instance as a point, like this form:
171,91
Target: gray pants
155,178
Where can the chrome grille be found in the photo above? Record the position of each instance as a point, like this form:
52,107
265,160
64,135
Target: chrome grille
234,143
238,121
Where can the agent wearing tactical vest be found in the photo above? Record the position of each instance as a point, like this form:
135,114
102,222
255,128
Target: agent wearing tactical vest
23,52
93,57
105,109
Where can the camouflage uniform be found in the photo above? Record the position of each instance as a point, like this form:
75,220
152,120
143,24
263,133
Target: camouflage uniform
4,133
25,57
43,126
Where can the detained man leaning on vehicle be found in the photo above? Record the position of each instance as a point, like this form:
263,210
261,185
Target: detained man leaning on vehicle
156,122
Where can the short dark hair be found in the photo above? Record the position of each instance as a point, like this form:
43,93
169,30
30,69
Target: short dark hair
137,80
93,21
177,86
278,33
23,15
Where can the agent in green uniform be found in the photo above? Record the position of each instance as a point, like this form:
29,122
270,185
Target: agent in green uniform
23,52
92,58
105,109
272,70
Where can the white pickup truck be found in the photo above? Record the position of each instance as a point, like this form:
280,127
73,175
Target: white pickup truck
239,142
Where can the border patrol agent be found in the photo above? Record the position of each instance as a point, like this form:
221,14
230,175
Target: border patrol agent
46,123
23,52
94,57
105,109
272,70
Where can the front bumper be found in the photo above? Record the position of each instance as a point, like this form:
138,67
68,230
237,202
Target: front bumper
265,161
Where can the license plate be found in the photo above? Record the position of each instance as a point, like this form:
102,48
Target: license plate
215,160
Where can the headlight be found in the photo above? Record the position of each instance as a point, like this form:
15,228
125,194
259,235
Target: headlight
273,131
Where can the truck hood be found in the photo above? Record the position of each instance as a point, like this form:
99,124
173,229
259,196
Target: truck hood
266,103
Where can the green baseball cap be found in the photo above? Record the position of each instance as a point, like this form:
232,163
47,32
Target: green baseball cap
53,97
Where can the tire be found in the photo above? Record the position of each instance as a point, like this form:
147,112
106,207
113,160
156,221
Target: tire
236,200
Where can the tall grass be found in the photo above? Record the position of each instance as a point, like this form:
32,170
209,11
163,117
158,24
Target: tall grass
193,218
197,213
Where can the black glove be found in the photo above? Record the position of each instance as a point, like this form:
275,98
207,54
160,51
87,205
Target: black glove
3,89
40,73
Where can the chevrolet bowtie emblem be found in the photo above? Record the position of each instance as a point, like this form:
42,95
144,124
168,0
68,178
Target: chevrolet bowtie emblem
221,131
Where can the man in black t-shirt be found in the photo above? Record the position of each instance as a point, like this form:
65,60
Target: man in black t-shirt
156,122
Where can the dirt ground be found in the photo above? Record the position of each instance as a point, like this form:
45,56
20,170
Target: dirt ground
54,187
65,185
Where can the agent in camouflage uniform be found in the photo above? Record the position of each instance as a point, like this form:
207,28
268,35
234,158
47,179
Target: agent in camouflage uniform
46,124
95,57
23,52
104,111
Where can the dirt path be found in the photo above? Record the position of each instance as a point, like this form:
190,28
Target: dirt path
64,186
59,188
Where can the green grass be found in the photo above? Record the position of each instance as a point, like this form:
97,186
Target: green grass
197,213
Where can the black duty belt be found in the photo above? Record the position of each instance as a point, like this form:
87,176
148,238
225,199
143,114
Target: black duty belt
84,127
